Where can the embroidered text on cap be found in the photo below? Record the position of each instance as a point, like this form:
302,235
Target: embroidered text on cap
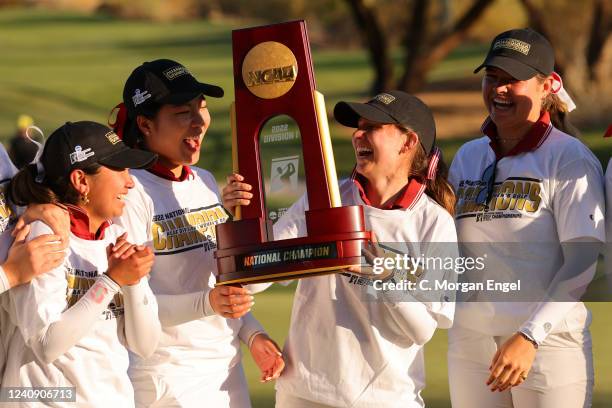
112,137
385,98
175,72
512,44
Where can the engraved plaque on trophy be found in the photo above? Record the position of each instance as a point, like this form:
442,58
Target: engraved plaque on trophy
281,145
282,165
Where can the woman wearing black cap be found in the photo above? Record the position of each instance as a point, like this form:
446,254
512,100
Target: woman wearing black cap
354,340
75,323
174,209
536,193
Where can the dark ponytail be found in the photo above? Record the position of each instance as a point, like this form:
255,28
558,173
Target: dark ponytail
23,189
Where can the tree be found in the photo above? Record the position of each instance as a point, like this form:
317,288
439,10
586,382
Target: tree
377,43
424,44
583,49
580,32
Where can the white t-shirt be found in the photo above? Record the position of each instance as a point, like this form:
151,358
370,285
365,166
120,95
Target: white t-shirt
545,196
97,364
177,219
344,350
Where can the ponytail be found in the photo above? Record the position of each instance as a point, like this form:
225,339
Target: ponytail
24,189
438,187
559,113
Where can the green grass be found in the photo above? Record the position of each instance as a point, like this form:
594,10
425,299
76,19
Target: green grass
273,309
59,66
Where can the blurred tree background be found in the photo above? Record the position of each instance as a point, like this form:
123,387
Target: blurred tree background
423,31
406,39
68,59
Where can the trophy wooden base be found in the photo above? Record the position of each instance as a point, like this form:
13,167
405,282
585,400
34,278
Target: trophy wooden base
334,242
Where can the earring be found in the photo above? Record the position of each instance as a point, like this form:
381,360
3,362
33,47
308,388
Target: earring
84,199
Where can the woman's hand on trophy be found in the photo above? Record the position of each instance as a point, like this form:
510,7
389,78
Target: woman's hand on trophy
236,192
374,266
231,302
267,356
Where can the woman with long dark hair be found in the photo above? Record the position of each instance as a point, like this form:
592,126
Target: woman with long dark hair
75,324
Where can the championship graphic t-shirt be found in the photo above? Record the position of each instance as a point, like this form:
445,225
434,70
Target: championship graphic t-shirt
177,220
348,350
97,364
549,194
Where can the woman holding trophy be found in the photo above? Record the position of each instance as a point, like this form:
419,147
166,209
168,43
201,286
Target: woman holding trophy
373,348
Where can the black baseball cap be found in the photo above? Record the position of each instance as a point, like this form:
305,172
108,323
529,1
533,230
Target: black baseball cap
523,53
163,81
393,107
76,145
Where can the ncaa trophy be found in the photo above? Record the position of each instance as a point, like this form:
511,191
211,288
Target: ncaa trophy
280,135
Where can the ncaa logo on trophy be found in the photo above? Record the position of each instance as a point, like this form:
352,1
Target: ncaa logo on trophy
281,145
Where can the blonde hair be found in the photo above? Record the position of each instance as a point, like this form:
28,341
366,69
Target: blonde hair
559,114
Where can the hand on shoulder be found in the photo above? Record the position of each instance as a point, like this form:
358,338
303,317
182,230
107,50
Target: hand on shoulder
26,260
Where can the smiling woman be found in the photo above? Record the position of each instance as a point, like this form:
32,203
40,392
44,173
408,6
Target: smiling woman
174,208
377,146
176,131
510,102
526,181
400,180
88,311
